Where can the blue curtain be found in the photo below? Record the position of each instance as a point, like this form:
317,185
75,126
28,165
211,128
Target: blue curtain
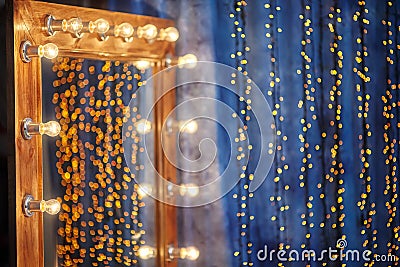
329,70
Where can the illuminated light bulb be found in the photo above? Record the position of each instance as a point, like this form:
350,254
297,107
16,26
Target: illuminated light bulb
170,34
142,64
49,51
124,30
51,206
28,51
189,253
51,128
148,32
190,190
30,205
144,190
188,61
74,26
28,129
101,26
143,126
189,127
146,252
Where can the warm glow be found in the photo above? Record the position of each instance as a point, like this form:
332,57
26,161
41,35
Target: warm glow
187,61
142,64
51,128
148,31
189,127
170,34
51,206
74,25
146,252
124,30
143,126
189,253
101,26
190,190
49,51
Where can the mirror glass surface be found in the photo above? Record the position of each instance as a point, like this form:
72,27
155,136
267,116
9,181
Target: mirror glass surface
105,217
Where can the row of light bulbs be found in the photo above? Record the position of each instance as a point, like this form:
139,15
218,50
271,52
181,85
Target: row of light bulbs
144,126
50,51
187,253
102,27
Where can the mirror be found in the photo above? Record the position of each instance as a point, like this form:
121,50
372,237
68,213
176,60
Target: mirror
105,216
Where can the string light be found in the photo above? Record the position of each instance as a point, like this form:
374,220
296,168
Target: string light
278,200
98,210
391,134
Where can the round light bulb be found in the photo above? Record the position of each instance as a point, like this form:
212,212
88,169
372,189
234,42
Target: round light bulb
171,34
51,206
146,252
191,253
49,51
190,190
189,127
187,61
51,128
74,25
148,31
144,189
102,26
124,30
143,126
142,64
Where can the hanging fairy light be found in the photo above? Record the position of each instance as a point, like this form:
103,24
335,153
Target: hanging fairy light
281,186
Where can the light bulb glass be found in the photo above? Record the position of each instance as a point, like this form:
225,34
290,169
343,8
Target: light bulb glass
142,64
143,126
124,30
187,61
51,206
191,253
190,190
51,128
146,252
171,34
189,127
144,189
49,51
74,25
148,31
101,26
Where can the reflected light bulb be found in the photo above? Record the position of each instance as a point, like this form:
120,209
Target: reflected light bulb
51,206
143,126
146,252
190,190
187,61
142,64
148,32
144,190
170,34
74,25
49,51
191,253
51,128
101,26
124,30
189,127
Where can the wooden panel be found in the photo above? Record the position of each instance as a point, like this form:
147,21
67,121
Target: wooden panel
33,14
166,215
25,100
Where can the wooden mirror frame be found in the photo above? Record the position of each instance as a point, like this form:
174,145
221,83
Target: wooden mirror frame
25,21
